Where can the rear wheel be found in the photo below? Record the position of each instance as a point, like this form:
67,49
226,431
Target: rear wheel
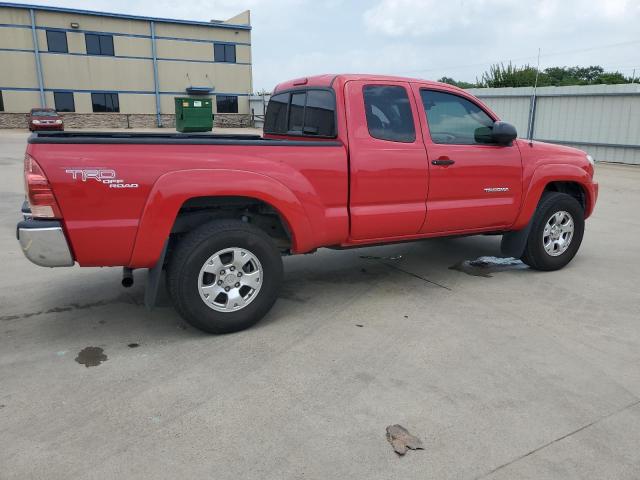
556,232
225,276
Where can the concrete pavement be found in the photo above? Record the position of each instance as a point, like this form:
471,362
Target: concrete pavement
519,375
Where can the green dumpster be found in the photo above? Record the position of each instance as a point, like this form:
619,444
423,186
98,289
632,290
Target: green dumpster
194,114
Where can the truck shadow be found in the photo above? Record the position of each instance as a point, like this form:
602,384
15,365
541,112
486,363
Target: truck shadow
96,304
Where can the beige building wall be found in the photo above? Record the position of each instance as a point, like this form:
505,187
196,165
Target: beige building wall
185,58
15,16
184,50
20,71
97,73
92,22
203,33
16,37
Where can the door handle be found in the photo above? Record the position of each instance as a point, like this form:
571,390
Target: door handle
443,162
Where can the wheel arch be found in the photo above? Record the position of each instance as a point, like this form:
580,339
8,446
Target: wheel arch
563,178
179,192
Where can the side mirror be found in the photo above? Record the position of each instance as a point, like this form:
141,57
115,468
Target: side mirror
501,133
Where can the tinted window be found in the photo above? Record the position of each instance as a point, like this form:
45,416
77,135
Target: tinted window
320,113
275,120
455,120
1,103
389,114
304,112
296,111
106,45
64,101
57,41
224,53
92,43
99,44
226,104
105,102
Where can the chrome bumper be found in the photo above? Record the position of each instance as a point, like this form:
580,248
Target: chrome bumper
43,242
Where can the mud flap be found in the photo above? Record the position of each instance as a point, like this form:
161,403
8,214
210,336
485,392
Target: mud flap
153,280
514,243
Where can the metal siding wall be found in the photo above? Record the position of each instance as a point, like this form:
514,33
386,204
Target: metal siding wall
512,110
608,115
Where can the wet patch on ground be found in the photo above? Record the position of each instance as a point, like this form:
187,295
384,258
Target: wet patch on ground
485,266
124,298
373,257
91,356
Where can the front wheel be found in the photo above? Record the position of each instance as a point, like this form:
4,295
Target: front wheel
225,276
556,232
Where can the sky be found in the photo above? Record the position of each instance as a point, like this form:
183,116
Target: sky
417,38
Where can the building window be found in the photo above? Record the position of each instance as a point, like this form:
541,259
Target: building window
1,103
99,44
64,101
223,52
226,104
57,41
389,114
105,102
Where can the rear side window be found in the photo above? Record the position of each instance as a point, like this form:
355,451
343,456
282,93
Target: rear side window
389,114
303,112
455,120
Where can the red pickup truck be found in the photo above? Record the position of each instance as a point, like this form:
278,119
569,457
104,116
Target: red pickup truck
345,161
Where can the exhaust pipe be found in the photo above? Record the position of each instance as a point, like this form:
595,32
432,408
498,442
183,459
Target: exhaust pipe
127,277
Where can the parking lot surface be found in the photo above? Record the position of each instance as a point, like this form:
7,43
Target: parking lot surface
505,374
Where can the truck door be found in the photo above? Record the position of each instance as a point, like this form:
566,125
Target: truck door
473,184
388,163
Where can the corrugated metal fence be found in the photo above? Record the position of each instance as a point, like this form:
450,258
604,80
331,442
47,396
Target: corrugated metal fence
603,120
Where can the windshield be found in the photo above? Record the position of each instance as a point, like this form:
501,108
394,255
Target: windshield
44,113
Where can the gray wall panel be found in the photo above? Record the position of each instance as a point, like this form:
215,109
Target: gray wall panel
604,120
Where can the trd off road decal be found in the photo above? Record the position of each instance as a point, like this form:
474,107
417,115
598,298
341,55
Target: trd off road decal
101,175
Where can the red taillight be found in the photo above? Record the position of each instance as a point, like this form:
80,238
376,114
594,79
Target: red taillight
41,200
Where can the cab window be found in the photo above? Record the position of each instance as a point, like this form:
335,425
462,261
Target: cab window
455,120
309,113
388,113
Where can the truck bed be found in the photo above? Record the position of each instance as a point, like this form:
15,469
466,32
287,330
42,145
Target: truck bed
143,138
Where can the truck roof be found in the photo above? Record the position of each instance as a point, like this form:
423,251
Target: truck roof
327,80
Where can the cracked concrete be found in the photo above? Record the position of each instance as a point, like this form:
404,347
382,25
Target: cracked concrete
523,375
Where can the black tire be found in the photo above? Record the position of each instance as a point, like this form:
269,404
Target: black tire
194,250
535,254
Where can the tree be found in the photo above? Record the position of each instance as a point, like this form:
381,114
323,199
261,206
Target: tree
500,75
460,83
510,75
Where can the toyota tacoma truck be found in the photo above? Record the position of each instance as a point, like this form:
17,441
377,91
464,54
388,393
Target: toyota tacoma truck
344,161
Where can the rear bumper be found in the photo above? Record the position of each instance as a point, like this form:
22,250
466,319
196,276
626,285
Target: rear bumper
43,243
